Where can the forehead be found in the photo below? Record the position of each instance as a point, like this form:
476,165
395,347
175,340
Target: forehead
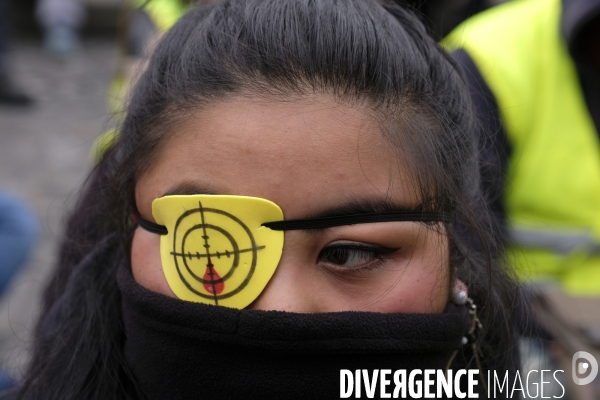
304,155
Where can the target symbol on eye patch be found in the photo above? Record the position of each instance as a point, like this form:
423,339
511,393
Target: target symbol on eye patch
215,253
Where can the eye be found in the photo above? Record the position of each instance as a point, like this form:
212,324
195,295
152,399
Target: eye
353,256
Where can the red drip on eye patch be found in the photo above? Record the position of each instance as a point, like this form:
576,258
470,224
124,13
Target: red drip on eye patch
214,284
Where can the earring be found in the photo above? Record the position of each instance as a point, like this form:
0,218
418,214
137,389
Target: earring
460,297
471,338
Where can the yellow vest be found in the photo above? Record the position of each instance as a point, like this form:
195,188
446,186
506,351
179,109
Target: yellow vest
164,13
553,184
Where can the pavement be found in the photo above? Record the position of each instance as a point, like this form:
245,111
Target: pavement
44,160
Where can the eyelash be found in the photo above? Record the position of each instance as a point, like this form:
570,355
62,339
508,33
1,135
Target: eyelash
349,252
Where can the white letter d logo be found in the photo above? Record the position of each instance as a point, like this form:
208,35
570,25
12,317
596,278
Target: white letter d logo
582,367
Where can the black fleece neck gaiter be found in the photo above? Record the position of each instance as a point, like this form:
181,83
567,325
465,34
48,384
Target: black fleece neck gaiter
184,350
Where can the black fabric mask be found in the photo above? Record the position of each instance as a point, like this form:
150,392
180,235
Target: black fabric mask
184,350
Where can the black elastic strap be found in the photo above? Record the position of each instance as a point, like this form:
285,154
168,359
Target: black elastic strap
329,222
152,227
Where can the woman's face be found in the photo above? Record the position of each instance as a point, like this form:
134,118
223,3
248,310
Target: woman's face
308,156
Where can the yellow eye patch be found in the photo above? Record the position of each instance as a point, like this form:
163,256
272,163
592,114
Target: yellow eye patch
215,250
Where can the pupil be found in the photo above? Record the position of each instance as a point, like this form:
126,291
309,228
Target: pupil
338,256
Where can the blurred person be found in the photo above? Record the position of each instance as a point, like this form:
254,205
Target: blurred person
350,165
61,21
10,93
533,67
144,23
19,230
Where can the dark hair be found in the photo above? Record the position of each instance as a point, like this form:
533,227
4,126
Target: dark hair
360,52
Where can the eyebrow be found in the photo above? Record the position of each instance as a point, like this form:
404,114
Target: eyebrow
191,188
358,206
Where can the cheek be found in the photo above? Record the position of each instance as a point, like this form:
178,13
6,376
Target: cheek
428,277
426,285
145,262
423,285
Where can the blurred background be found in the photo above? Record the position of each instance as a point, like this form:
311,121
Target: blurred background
49,119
